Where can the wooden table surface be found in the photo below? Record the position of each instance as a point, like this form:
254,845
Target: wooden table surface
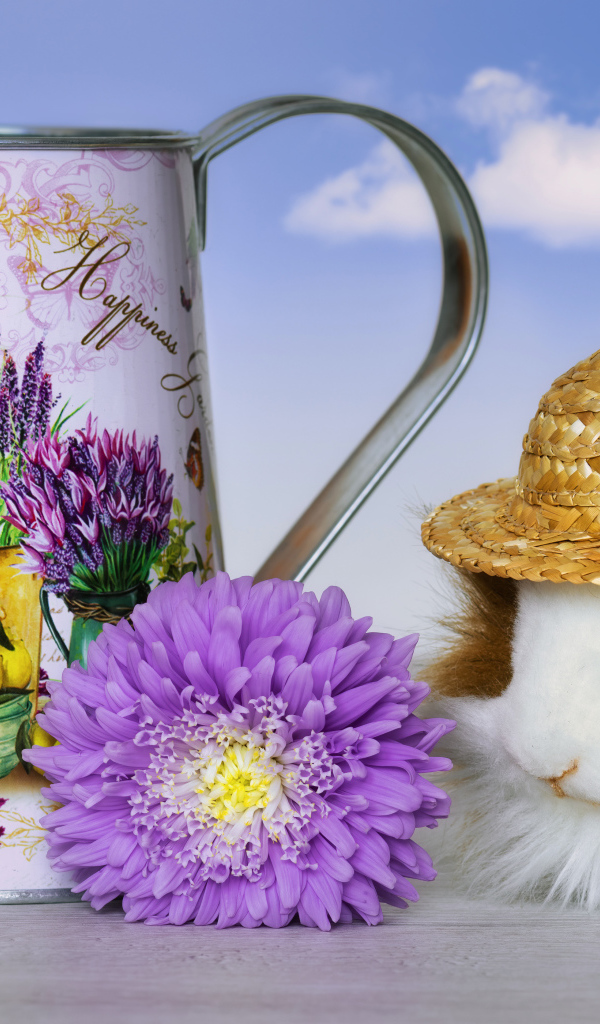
446,959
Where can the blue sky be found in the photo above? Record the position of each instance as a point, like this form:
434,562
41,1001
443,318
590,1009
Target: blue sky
321,273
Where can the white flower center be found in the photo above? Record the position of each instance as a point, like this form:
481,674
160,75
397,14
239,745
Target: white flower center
216,792
238,783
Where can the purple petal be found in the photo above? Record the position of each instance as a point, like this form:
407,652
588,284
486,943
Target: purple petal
224,648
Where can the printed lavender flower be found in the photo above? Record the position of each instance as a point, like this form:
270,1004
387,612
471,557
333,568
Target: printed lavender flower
24,416
242,754
94,508
24,411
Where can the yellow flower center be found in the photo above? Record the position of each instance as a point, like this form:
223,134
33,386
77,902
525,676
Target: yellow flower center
239,781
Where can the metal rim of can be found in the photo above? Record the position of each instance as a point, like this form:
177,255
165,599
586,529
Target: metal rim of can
51,137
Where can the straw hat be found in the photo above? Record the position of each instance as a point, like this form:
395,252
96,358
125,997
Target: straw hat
543,524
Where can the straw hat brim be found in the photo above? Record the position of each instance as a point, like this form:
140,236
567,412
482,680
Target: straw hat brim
468,531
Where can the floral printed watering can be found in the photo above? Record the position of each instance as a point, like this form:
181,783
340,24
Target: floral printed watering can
101,304
106,476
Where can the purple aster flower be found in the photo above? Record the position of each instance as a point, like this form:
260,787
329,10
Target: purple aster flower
242,754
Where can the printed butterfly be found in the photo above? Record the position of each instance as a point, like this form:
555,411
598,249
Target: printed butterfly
193,463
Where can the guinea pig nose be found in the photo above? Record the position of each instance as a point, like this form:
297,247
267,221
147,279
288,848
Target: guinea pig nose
568,765
579,781
554,781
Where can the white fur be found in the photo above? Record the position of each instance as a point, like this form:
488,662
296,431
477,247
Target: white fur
510,828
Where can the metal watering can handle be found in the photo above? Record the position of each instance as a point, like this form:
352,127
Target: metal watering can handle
457,334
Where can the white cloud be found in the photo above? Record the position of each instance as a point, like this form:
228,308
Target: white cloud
496,98
382,196
544,180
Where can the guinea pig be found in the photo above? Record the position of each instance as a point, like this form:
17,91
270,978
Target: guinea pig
519,666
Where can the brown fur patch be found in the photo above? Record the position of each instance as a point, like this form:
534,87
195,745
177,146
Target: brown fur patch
475,658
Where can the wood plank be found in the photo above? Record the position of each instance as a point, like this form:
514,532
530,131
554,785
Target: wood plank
446,959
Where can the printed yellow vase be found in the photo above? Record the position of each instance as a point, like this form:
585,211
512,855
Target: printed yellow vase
20,641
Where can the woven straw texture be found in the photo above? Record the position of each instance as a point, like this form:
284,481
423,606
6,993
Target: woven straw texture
543,524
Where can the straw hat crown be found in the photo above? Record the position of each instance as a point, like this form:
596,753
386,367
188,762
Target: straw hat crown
545,523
